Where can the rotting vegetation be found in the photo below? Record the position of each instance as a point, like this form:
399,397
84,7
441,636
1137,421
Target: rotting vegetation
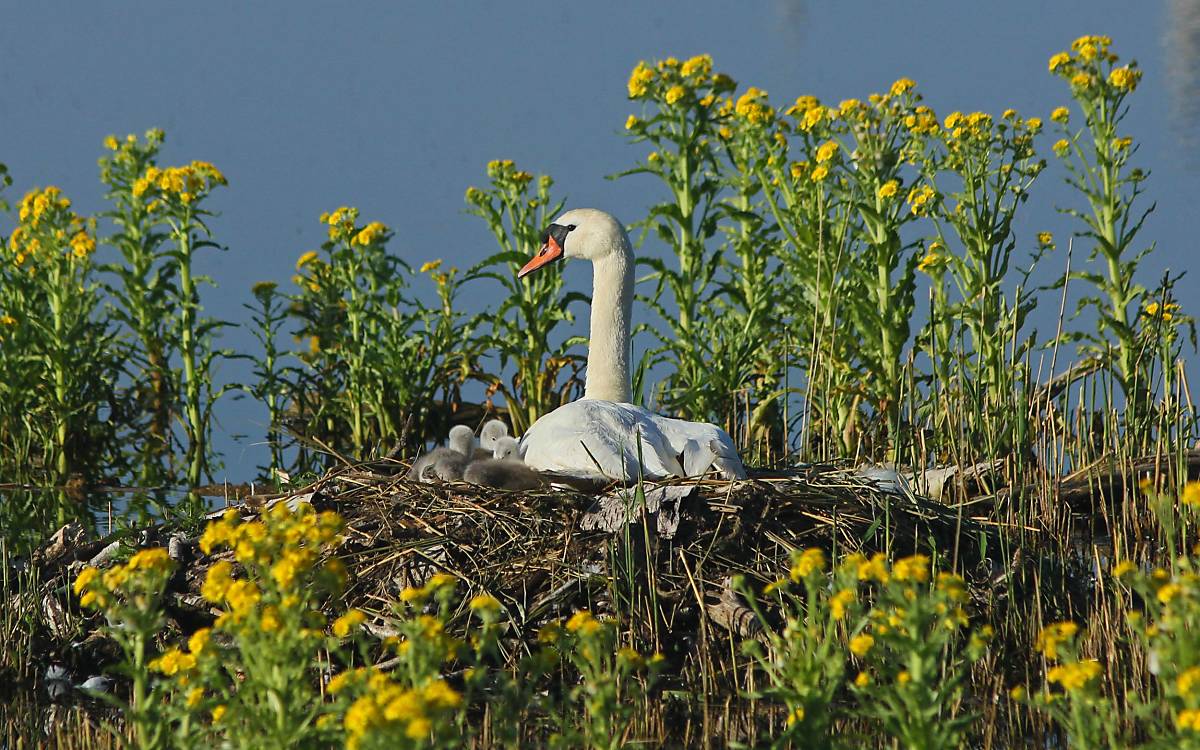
1026,580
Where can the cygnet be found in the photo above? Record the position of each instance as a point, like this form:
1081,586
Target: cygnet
493,430
505,470
446,464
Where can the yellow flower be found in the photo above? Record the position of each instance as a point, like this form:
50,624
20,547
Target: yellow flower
919,198
1124,79
1081,80
200,641
903,678
862,680
418,729
305,259
888,189
861,644
370,233
809,562
583,622
485,603
1188,719
343,625
876,569
86,578
1059,60
631,122
1045,239
1166,312
110,143
1054,635
1190,494
639,80
1060,114
902,86
1123,568
914,568
699,65
1169,592
1188,682
217,582
839,602
751,107
1060,146
820,173
194,696
826,151
675,93
173,662
218,713
796,716
155,558
1075,676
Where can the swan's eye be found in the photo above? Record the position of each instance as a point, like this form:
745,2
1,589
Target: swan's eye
570,227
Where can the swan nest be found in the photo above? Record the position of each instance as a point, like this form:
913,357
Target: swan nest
544,554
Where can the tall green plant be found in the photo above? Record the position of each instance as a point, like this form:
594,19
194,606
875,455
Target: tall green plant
517,207
1097,158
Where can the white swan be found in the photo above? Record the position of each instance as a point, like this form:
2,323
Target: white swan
446,464
504,470
598,436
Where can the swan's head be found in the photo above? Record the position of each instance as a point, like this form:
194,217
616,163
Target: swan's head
587,233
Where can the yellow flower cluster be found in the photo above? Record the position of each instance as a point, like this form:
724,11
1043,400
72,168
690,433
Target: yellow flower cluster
47,223
839,602
914,568
173,662
1188,720
348,622
582,623
920,199
186,184
753,108
923,121
1190,494
1060,114
861,645
1053,637
902,86
1124,78
370,233
810,562
389,710
143,573
1164,311
700,65
826,151
439,583
640,79
1076,675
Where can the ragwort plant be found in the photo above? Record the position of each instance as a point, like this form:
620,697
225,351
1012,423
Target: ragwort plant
174,199
130,597
516,207
805,663
60,405
1097,159
977,172
143,298
721,337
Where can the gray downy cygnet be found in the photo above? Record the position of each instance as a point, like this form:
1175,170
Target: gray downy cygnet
446,464
493,430
505,470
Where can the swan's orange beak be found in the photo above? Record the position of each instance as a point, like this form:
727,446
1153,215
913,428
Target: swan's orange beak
550,252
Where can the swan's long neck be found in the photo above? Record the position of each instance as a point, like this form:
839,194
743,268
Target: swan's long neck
612,311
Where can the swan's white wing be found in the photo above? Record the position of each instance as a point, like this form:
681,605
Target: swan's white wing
592,438
694,440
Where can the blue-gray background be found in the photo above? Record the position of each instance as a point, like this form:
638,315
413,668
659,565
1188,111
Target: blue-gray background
396,108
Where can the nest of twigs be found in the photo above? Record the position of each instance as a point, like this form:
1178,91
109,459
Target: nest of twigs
662,556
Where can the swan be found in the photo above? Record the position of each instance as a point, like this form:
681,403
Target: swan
493,430
446,464
600,436
505,470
